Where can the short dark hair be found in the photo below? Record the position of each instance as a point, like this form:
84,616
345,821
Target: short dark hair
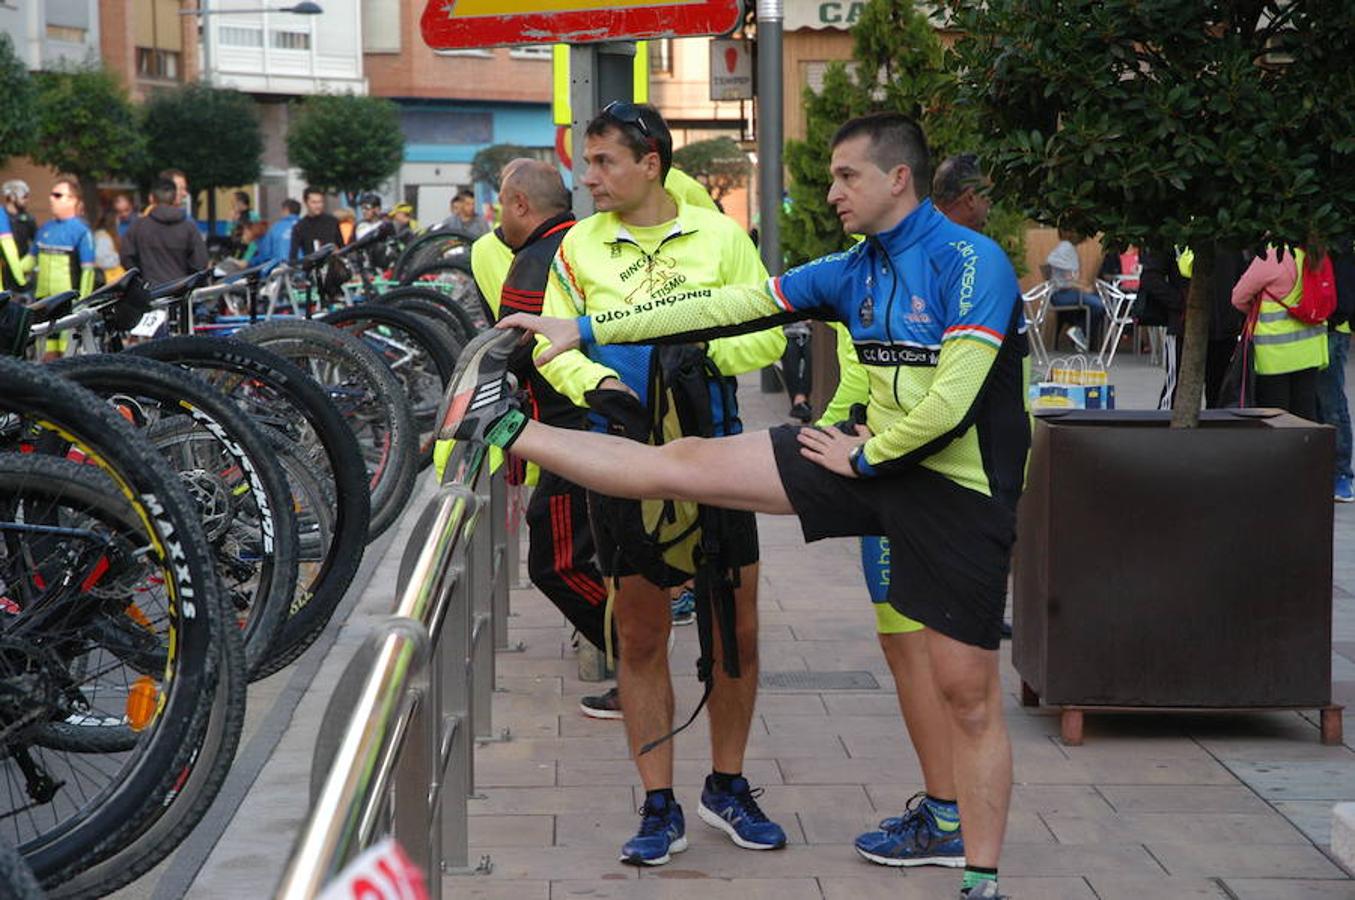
164,191
293,207
464,194
641,128
954,176
309,191
895,140
169,174
243,197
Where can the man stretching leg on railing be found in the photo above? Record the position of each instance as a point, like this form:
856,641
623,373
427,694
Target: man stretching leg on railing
934,310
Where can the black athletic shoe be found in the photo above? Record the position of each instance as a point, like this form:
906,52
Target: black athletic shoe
602,706
802,412
1006,630
479,404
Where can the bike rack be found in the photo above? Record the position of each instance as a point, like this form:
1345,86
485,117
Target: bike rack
396,750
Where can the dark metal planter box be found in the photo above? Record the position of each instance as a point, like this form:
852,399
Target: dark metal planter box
1176,569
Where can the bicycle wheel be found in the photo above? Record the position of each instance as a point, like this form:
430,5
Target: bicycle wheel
466,321
311,439
370,398
17,880
454,280
430,247
117,627
418,351
229,470
436,312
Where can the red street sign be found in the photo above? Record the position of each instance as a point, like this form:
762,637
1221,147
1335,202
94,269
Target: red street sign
462,24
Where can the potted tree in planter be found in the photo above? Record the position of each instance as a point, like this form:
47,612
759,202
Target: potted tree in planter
1186,566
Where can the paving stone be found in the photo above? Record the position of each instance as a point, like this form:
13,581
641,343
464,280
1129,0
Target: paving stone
1201,828
1244,860
686,772
1182,798
476,887
1312,817
1044,860
1290,780
1112,887
675,884
492,773
511,831
550,801
1290,889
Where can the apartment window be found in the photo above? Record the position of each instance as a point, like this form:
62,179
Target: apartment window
661,56
66,34
152,62
532,51
381,26
237,36
436,126
291,40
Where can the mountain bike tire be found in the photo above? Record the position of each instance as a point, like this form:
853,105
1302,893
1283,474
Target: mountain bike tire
246,479
435,311
17,880
468,328
420,353
371,399
454,280
297,415
429,247
180,553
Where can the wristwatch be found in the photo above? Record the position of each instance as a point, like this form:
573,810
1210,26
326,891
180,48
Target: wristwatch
858,461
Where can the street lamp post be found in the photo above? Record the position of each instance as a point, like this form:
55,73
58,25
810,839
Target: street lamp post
304,8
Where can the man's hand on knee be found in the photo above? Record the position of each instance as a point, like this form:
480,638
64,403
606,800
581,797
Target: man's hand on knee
832,449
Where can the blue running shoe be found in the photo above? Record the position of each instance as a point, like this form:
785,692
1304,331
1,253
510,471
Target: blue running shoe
684,607
663,832
913,839
736,813
1345,490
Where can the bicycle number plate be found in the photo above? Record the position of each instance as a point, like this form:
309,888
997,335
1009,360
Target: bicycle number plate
151,323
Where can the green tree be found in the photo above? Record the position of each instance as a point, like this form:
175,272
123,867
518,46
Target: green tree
487,164
1214,124
87,127
174,123
346,143
18,102
898,65
718,163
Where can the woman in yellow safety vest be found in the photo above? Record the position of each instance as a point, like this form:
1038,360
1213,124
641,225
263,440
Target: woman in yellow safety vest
1289,352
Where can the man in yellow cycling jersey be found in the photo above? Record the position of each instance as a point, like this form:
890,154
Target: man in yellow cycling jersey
935,314
643,245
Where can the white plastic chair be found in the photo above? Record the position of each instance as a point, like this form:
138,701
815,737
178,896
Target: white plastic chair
1036,302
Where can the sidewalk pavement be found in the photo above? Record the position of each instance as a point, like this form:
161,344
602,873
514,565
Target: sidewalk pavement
1149,808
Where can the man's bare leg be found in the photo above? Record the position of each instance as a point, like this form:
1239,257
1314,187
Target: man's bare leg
736,472
967,680
643,619
924,714
732,699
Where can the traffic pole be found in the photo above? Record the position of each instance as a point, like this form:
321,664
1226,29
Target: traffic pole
770,130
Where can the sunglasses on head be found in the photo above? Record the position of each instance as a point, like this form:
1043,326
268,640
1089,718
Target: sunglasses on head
627,114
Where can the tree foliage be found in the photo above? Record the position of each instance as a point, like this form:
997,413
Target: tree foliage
86,126
1203,123
18,102
487,164
346,143
717,163
898,65
176,121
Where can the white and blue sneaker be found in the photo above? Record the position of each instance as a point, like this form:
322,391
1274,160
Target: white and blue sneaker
663,832
736,813
684,607
913,839
1345,490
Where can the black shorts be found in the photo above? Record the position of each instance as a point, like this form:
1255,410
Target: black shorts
740,547
950,547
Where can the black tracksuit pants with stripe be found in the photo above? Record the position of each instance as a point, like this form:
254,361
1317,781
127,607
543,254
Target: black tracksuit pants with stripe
560,555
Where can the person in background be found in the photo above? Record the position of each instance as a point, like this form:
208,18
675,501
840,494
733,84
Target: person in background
1332,406
13,266
464,218
962,192
124,212
347,223
181,196
369,207
277,242
164,244
106,244
796,369
63,252
1289,352
253,236
21,222
243,215
1064,271
406,226
1161,300
316,228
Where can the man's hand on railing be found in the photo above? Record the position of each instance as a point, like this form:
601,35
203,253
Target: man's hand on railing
563,334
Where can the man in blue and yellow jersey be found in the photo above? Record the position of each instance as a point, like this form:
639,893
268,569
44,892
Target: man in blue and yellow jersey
64,248
934,311
644,245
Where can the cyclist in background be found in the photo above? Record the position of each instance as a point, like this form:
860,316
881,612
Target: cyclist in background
22,229
63,251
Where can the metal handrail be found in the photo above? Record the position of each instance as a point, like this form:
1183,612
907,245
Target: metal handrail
396,745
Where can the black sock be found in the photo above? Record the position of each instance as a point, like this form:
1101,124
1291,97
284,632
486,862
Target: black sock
723,781
664,795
